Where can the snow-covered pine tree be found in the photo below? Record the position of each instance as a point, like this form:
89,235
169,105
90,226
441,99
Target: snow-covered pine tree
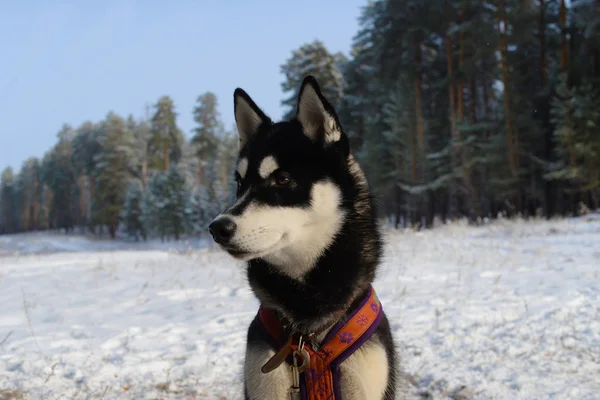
154,206
207,134
312,59
576,114
166,139
131,214
193,217
175,201
8,215
111,171
227,163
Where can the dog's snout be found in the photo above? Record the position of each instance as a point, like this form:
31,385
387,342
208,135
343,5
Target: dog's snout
222,230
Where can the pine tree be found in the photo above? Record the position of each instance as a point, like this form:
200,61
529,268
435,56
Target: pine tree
576,114
58,173
154,206
193,212
227,159
85,147
175,202
8,214
166,139
131,214
207,133
312,59
112,173
137,147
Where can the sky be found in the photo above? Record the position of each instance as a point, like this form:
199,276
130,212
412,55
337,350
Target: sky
74,61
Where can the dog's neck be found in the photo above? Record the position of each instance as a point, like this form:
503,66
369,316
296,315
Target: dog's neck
339,276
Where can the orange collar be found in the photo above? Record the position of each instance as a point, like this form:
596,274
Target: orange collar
321,378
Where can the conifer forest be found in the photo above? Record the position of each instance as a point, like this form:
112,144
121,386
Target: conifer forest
455,109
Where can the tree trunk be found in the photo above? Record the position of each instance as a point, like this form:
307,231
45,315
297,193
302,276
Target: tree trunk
473,97
453,206
418,99
92,196
82,203
413,168
199,174
461,63
563,27
503,47
166,152
543,63
549,186
462,154
413,153
422,170
596,63
144,173
469,176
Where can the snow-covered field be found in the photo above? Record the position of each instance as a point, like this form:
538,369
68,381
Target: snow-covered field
509,311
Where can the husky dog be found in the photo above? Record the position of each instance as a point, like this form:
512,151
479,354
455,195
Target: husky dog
304,223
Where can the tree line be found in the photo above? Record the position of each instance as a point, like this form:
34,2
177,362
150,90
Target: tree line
141,177
470,108
454,108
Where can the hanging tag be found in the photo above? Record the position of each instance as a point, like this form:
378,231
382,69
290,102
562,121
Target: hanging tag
303,355
295,389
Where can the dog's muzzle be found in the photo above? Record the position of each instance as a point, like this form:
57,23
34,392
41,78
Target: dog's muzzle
222,230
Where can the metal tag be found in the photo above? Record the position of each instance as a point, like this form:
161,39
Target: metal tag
295,389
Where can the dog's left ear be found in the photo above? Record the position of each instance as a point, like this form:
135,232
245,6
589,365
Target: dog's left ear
318,118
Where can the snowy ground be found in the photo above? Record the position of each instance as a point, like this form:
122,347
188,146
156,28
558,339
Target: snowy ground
48,243
510,311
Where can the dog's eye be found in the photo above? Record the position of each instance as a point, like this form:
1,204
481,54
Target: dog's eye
281,178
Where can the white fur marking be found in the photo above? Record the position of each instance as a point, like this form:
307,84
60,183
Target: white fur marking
332,132
364,375
267,166
242,167
272,386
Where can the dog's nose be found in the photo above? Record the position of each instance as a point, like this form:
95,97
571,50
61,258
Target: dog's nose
222,230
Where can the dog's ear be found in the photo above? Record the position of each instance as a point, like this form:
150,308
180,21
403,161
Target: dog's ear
318,118
248,117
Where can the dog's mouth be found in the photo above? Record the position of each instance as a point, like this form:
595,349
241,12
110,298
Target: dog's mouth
247,255
237,253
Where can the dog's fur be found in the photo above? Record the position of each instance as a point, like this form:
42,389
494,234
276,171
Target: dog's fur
304,223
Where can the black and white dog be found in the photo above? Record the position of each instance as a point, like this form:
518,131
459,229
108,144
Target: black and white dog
304,223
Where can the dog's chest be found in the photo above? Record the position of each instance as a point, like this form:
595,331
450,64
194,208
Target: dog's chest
363,375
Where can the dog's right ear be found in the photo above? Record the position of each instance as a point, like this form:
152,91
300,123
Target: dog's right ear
248,117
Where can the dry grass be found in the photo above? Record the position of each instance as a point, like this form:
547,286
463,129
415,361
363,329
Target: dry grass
12,394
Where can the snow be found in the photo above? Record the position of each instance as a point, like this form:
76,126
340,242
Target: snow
510,310
46,243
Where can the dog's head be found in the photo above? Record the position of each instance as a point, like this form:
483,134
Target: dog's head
296,184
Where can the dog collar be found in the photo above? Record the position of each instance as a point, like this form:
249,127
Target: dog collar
320,372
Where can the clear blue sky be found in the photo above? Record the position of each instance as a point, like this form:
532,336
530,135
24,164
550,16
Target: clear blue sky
72,61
